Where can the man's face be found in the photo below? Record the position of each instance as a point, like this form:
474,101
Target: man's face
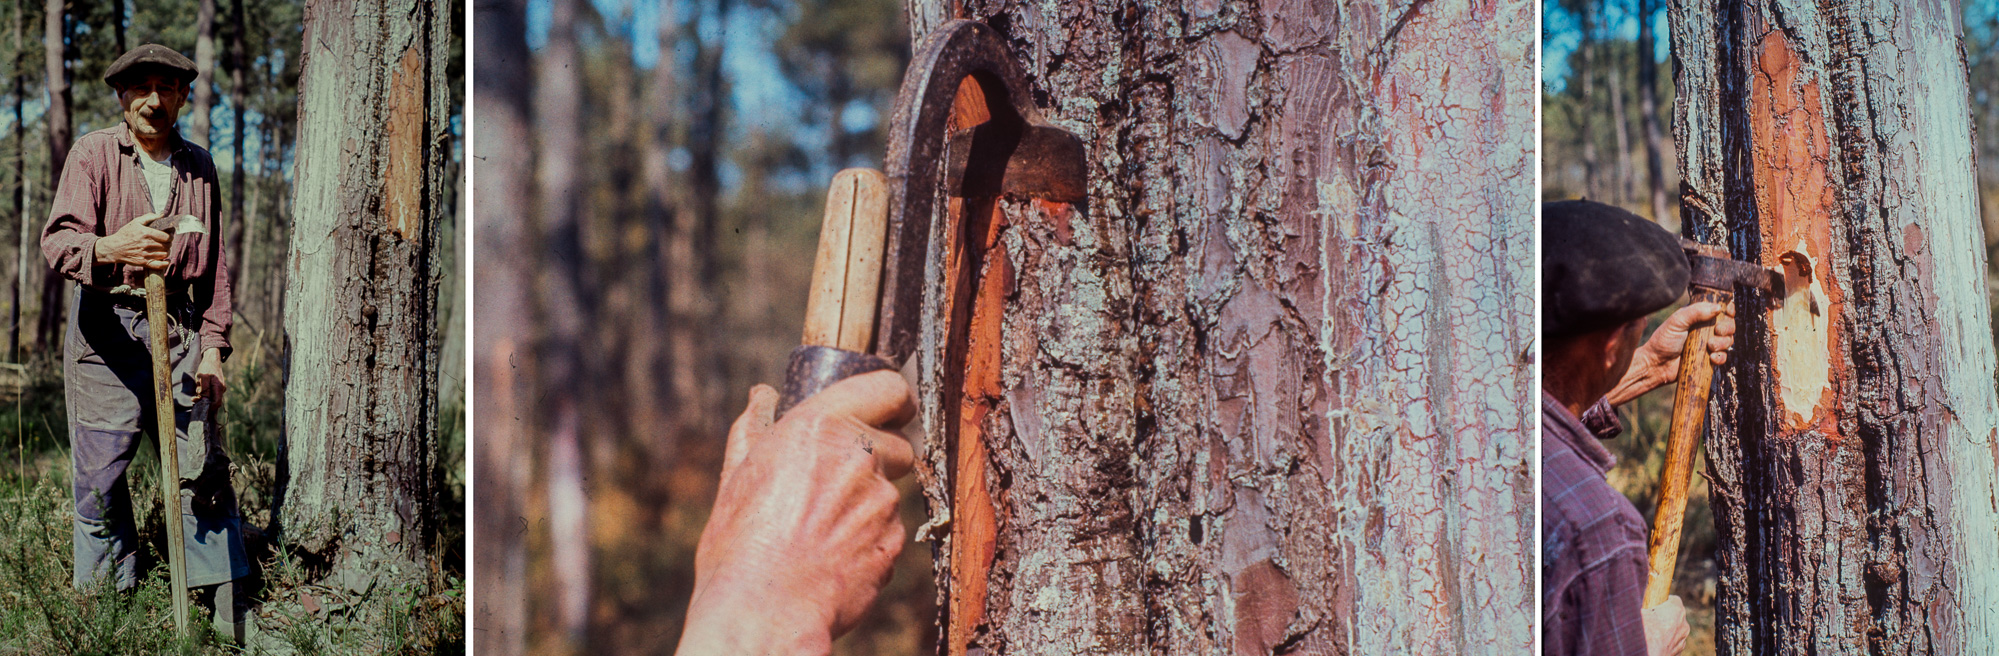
152,103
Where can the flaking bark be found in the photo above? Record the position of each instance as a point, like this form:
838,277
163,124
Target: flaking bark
1852,442
1267,390
361,298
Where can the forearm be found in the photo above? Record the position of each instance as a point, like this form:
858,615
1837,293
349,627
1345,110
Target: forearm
1643,376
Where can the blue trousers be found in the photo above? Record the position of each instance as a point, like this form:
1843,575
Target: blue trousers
107,380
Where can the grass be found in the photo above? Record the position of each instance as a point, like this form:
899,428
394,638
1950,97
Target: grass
41,614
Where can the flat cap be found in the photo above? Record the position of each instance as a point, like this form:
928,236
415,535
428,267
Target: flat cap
1602,266
150,56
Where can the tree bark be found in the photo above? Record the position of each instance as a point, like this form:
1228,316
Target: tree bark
1268,388
55,39
1851,440
204,74
501,90
1648,110
361,312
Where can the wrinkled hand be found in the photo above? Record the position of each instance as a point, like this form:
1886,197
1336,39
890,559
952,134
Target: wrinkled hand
136,244
208,383
1666,627
805,526
1657,362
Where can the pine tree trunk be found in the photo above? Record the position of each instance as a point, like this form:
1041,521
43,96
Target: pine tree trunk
1852,441
504,175
1268,388
204,74
1648,109
239,97
55,37
563,312
361,317
1614,70
660,386
19,288
1584,75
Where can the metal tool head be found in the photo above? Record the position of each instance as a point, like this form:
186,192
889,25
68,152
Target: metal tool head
1712,269
1014,153
185,224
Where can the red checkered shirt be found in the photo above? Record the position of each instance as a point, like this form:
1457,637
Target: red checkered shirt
1592,541
102,189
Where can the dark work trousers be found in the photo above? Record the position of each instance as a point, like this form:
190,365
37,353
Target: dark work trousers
107,377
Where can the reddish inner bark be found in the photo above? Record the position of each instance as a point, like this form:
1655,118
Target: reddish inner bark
1797,203
976,298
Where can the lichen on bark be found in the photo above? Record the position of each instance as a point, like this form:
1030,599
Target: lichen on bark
1268,389
1851,438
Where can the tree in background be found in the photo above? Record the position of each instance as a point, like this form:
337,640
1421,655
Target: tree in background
361,321
55,44
1593,80
1851,440
504,180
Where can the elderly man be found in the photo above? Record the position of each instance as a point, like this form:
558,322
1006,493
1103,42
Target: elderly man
116,181
1603,270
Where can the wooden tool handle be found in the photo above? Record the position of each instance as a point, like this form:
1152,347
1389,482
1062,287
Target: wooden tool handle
1689,415
846,276
163,410
846,282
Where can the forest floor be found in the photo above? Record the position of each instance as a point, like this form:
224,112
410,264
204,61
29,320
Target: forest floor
40,613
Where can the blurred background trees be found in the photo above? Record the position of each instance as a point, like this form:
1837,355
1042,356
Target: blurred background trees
1596,144
650,183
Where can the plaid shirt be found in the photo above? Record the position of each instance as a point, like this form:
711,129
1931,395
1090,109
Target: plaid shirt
102,189
1592,540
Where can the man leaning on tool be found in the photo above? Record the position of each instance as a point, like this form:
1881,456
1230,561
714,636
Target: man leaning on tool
115,181
1603,271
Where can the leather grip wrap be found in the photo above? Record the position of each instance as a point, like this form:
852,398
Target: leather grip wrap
814,368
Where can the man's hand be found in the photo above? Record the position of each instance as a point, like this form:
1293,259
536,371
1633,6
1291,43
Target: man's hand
1666,627
805,526
136,244
1657,362
208,382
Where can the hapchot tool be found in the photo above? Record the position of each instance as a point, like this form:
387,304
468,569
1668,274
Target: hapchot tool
1013,153
1714,280
163,412
965,127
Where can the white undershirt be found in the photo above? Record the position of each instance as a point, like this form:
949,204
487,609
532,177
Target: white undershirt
159,180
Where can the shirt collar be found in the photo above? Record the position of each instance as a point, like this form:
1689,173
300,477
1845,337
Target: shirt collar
1564,425
126,142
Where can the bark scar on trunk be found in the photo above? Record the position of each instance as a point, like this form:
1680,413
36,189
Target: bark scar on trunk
1793,156
402,184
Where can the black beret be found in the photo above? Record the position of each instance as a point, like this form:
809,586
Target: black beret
154,56
1602,267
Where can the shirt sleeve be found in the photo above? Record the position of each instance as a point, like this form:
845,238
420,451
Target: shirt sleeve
69,240
212,290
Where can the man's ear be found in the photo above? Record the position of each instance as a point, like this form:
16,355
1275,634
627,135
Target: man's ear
1622,342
